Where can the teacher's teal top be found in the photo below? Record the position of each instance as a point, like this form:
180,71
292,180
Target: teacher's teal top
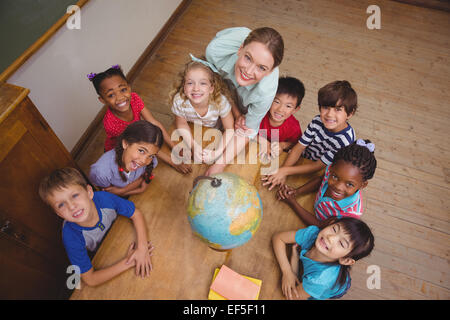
222,53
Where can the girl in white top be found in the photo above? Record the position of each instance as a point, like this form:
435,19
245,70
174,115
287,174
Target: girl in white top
200,98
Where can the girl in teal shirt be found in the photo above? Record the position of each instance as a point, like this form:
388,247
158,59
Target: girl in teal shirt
326,254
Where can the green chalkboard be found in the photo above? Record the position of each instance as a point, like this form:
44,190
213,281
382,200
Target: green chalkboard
22,22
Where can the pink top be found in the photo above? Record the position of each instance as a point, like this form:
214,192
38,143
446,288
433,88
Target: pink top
115,126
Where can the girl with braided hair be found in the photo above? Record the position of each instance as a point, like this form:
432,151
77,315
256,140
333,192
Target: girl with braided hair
127,169
339,189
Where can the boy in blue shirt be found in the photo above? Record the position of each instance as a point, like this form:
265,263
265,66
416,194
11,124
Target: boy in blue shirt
87,217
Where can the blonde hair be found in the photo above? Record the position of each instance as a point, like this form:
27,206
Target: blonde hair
59,179
220,88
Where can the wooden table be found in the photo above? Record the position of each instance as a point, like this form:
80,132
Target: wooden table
183,265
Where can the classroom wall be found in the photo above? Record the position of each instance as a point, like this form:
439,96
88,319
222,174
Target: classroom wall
112,32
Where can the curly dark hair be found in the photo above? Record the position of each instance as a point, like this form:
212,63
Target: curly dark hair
99,77
359,156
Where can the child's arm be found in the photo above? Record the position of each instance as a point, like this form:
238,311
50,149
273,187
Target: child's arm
288,195
280,176
273,149
304,168
142,254
286,145
182,167
239,122
264,152
311,186
147,115
307,217
290,285
294,155
135,187
185,132
235,146
228,125
96,277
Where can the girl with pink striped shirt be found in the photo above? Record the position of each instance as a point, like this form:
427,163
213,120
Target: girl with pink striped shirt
339,189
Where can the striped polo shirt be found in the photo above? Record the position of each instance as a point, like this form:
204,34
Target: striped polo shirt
326,207
321,143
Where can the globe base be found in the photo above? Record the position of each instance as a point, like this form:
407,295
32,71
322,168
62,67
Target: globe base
221,250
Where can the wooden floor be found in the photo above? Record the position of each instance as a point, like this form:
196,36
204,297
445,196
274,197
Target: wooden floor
401,75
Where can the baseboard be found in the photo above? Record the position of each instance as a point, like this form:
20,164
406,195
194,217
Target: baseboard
132,74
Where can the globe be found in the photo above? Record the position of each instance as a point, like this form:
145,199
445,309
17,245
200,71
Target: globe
224,210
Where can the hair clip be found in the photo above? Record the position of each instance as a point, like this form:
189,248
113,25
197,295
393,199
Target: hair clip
362,143
206,63
116,66
91,76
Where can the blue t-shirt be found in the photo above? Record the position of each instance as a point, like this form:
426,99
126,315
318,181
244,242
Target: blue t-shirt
77,239
318,279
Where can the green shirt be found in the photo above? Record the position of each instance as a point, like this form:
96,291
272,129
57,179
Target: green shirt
222,53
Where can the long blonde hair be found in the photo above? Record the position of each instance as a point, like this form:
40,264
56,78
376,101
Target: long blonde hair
220,88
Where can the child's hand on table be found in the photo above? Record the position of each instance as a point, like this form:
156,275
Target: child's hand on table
140,257
278,178
183,168
289,281
286,192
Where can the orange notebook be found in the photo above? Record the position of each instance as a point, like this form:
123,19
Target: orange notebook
233,286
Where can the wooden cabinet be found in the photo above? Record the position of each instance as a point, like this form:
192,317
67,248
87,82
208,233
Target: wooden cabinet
33,261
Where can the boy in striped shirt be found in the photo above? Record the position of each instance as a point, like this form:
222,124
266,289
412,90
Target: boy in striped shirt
325,135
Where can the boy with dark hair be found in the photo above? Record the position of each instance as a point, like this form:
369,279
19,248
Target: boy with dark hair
325,135
280,119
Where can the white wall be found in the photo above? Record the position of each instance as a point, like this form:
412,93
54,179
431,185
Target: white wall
112,32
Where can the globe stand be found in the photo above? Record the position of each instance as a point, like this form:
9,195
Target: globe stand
215,182
228,253
222,250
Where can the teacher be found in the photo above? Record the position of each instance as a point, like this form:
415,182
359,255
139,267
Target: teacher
248,62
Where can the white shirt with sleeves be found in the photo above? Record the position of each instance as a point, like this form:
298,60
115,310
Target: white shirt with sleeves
184,109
